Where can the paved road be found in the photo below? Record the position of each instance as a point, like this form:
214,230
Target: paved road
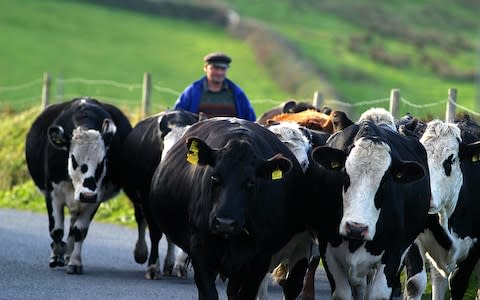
109,269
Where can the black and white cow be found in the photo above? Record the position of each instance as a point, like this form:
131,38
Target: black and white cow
450,240
143,150
227,193
73,155
288,265
383,195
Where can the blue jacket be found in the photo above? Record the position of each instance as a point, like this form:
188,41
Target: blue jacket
190,99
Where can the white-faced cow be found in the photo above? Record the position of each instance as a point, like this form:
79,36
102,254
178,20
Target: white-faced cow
384,195
450,240
227,193
143,149
73,155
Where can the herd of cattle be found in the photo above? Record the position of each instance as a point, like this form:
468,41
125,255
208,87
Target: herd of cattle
243,199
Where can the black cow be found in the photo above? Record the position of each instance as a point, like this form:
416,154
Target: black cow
453,228
143,149
73,155
383,197
227,194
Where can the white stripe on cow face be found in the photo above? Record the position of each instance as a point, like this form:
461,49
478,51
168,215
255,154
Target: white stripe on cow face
87,154
442,142
291,135
365,166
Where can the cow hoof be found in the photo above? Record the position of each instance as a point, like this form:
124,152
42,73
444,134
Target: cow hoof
180,272
72,269
153,273
140,252
168,270
56,261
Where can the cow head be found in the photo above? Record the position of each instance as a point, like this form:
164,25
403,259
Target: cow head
173,125
232,180
87,152
367,167
294,138
442,142
446,151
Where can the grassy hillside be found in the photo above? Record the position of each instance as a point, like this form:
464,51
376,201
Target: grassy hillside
365,49
78,40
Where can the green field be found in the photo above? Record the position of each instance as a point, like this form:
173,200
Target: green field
421,47
75,40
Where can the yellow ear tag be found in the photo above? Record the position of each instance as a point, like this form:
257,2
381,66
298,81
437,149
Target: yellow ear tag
475,158
277,174
335,164
192,156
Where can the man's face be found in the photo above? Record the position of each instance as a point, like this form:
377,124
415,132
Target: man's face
215,74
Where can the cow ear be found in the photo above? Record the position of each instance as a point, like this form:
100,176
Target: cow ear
287,107
57,138
274,168
108,130
329,158
198,152
202,116
163,126
407,171
470,151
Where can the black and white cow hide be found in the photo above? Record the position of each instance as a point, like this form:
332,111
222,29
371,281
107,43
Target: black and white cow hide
73,155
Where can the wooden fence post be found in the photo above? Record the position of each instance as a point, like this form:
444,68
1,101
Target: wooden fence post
394,102
317,99
451,105
146,94
45,90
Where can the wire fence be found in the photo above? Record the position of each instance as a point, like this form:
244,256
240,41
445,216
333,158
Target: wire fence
138,96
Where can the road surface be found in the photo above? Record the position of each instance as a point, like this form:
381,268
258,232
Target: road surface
110,271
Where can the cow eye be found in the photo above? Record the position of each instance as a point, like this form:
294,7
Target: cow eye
74,162
215,179
447,165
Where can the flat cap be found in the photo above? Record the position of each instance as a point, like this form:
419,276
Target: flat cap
218,59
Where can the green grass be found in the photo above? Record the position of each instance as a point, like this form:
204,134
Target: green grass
323,32
77,40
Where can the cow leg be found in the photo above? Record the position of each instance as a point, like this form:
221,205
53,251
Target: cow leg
262,293
55,201
140,252
180,267
308,290
337,277
204,278
153,269
169,261
293,284
416,281
378,287
79,233
439,284
461,275
252,279
477,272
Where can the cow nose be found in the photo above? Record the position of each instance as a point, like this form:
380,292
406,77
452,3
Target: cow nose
87,197
224,225
356,230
